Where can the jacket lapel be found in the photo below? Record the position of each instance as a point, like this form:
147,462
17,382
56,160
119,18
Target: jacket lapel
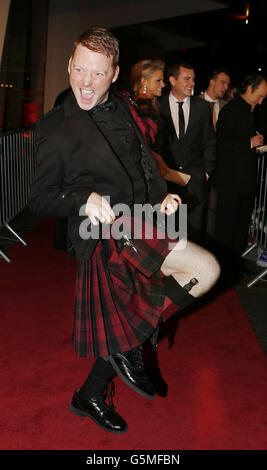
126,111
165,111
83,126
166,114
192,115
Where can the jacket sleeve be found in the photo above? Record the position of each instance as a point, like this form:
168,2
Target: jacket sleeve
209,141
230,132
49,195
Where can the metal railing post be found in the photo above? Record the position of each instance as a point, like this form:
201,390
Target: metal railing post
17,163
258,228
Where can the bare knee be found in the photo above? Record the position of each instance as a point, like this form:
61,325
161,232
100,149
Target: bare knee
208,272
194,261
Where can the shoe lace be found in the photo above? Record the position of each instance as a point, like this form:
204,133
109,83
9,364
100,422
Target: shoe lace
136,357
109,394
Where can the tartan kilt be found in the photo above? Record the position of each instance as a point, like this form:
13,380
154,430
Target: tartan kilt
119,295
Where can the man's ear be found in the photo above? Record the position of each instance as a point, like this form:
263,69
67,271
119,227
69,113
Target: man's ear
116,74
69,64
212,82
172,80
249,89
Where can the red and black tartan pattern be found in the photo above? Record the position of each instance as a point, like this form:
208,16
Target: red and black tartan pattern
147,126
119,297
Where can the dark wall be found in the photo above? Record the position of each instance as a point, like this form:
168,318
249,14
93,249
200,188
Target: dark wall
23,64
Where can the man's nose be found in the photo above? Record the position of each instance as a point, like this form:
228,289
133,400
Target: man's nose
87,79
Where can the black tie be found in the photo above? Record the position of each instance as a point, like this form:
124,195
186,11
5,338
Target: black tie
181,120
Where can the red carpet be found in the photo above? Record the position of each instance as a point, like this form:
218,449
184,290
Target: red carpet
216,371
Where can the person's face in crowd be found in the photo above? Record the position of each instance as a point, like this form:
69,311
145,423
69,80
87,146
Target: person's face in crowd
91,75
219,85
154,83
183,85
257,96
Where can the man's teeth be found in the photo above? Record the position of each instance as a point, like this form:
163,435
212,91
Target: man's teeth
87,92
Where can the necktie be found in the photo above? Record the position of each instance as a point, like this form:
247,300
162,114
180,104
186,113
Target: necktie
213,113
181,120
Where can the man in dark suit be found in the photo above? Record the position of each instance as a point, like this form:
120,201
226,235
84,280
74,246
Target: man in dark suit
91,158
218,85
187,143
236,172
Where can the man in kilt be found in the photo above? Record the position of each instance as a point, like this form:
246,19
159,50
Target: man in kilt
91,157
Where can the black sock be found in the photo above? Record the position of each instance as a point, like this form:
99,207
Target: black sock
101,374
178,294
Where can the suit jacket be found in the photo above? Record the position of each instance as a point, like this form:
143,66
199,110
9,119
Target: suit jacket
236,161
74,159
261,118
195,154
222,102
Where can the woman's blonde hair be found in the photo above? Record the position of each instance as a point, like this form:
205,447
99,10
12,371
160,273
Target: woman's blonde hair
143,69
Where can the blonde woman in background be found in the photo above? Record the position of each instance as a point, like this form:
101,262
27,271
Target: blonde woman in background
147,82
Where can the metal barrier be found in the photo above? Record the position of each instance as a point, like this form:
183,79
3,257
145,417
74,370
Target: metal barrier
17,165
258,226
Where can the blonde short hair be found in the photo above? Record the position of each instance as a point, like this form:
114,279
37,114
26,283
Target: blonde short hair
143,69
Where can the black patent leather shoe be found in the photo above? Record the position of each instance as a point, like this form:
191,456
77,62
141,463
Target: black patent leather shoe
130,367
102,414
161,387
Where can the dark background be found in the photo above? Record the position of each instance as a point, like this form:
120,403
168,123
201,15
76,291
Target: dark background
225,37
218,37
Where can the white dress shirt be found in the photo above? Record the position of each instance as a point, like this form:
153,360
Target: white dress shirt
174,107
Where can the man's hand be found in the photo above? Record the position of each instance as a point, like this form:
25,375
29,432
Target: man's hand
257,140
170,204
99,210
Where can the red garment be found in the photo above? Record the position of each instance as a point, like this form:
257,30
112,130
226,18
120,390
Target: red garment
120,295
146,124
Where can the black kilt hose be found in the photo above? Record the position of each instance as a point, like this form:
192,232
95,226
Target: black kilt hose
120,293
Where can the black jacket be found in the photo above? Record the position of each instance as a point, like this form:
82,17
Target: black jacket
236,160
74,159
196,154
